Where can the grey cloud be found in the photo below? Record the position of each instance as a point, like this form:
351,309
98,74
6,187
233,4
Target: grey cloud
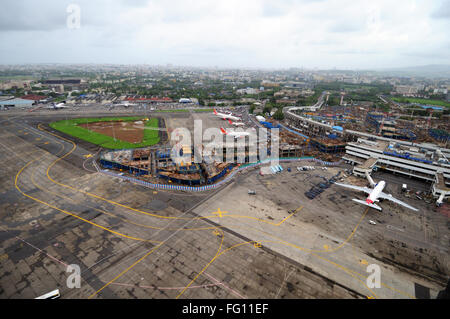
443,12
20,15
438,54
283,32
273,10
48,15
347,26
135,3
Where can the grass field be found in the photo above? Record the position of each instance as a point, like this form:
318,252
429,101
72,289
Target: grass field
71,127
420,101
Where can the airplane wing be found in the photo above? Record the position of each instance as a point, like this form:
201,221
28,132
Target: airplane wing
356,188
395,200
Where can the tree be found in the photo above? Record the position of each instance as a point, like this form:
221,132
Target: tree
279,115
267,109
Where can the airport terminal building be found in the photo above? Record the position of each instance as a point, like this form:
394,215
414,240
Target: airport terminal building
425,163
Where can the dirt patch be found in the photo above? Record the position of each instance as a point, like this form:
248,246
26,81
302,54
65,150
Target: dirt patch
132,132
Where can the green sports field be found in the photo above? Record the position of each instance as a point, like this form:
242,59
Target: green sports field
71,127
421,101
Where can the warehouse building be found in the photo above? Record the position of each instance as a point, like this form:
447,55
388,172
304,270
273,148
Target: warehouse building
20,103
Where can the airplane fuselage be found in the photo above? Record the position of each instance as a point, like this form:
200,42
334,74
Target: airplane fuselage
224,116
373,196
236,135
228,117
236,123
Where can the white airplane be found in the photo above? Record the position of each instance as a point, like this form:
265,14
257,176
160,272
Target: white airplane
125,104
236,135
54,106
224,116
375,193
236,123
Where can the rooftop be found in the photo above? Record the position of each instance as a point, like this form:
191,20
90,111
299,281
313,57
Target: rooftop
16,101
33,97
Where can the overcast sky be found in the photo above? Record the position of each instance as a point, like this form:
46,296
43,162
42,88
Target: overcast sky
229,33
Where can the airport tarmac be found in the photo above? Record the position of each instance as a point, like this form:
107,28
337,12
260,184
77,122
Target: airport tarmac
133,242
331,234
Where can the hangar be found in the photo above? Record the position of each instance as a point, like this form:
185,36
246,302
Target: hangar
16,103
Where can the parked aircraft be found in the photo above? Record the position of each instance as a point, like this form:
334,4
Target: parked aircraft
57,106
236,135
375,193
236,123
224,116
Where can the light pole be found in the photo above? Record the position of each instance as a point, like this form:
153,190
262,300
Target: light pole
114,133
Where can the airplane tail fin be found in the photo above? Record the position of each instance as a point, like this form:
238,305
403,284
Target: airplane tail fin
215,112
367,204
229,121
223,131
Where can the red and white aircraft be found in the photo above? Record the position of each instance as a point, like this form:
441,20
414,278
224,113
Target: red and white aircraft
224,116
236,135
236,123
374,194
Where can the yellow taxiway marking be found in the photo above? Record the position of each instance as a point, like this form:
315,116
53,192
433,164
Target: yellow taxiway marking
216,232
218,253
109,213
67,212
295,211
265,221
126,270
219,213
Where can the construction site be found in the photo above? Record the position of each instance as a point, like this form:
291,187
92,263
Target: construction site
157,165
398,123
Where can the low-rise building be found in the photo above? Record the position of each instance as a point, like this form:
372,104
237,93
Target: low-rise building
16,103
